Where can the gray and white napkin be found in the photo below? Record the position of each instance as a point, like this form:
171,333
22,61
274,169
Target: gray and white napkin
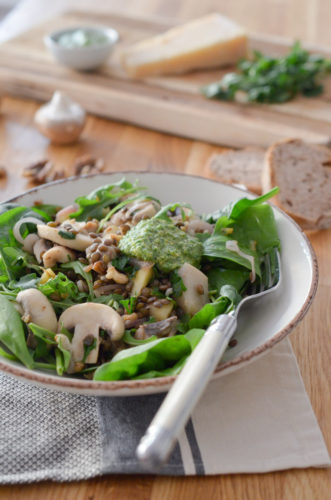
256,419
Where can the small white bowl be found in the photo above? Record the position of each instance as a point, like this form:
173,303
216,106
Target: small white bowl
85,58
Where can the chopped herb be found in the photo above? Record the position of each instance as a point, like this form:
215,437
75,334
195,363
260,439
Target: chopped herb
177,284
266,79
67,235
129,304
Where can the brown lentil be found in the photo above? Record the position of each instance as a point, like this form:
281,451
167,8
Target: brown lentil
163,287
95,257
143,299
99,267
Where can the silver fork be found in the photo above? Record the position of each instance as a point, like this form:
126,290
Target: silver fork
157,443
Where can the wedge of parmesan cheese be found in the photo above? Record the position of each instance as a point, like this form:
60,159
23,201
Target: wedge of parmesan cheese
212,41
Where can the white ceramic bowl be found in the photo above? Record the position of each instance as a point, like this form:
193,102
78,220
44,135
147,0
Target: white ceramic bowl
259,329
82,58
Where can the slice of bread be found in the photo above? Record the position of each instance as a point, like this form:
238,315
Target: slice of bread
302,172
239,167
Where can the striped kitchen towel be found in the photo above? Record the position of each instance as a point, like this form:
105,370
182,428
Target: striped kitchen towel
256,419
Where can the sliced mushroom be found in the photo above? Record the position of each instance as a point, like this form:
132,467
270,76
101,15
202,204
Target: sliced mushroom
64,213
86,320
39,248
196,294
136,211
164,328
58,254
37,309
80,242
143,210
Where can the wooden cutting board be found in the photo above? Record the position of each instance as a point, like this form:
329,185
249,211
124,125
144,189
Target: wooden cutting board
170,104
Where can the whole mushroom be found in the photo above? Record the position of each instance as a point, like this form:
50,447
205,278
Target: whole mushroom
86,320
61,119
37,309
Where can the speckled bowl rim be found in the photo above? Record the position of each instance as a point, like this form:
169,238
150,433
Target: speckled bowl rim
159,384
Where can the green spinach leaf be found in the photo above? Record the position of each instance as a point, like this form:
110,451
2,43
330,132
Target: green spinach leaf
12,332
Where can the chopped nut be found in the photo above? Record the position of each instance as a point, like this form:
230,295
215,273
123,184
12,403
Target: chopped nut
48,274
99,267
113,274
34,168
87,164
3,172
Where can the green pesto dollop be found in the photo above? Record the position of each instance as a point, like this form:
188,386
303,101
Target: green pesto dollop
159,241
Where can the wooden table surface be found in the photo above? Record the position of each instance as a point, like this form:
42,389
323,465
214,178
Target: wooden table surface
126,147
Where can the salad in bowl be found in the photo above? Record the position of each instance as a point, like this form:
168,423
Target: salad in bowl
117,285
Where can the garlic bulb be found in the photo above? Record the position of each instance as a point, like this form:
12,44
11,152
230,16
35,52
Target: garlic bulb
61,119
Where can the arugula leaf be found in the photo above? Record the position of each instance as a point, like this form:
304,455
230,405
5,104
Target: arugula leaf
61,286
47,210
171,207
78,267
92,205
129,304
232,211
118,207
28,281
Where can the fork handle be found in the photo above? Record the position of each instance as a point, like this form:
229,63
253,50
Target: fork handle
160,437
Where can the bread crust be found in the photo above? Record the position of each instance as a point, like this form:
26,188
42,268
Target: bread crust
269,180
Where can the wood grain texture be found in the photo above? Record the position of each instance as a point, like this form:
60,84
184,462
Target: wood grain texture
170,103
126,147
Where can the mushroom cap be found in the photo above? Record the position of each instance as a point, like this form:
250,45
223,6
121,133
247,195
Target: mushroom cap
87,319
91,313
37,308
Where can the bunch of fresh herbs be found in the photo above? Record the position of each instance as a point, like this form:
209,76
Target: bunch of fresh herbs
267,79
